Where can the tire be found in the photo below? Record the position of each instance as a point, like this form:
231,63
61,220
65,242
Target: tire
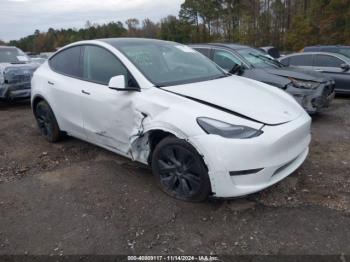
180,171
47,122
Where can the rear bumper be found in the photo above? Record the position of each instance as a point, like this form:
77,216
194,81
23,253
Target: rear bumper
274,155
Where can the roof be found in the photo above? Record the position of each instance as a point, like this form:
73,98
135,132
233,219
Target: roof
122,41
227,45
343,57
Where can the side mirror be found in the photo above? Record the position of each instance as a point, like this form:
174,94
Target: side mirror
237,69
345,67
118,83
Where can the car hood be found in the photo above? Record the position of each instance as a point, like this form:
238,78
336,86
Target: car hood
299,73
245,97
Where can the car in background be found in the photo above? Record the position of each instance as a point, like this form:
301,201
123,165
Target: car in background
16,71
334,65
38,58
272,51
203,131
312,90
340,49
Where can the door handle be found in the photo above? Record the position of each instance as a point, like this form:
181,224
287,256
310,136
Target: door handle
318,69
50,83
85,93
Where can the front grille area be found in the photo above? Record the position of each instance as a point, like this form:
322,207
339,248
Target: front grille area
15,79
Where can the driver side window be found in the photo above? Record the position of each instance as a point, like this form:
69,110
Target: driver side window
100,65
225,60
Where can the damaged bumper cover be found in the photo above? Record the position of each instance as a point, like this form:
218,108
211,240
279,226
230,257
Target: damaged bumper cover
275,155
15,80
314,100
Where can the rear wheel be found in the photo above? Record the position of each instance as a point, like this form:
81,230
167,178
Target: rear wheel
47,122
180,170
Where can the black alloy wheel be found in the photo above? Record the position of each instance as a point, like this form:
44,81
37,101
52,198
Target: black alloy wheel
47,122
180,170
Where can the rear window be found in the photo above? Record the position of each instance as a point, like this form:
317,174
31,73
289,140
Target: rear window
67,62
301,60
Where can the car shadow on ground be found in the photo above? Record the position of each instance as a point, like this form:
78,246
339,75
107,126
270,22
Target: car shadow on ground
4,105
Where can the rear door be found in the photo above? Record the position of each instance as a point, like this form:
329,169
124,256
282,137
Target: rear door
110,118
64,83
331,66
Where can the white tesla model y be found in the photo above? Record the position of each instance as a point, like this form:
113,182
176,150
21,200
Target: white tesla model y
203,131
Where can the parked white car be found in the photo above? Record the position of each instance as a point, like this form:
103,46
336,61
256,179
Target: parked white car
203,131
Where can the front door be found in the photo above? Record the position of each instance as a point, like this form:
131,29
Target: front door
109,116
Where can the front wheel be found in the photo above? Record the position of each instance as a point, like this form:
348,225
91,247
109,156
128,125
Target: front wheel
47,122
180,170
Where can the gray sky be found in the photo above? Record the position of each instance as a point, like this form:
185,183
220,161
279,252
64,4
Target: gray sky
19,18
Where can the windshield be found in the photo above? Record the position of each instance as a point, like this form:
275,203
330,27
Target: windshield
167,63
12,55
259,58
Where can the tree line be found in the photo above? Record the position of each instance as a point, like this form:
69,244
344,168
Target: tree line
286,24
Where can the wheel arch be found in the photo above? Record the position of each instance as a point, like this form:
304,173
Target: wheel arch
154,136
36,100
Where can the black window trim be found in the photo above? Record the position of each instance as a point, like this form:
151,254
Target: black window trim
82,49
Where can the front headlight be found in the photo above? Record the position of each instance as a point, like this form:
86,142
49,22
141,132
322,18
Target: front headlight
216,127
305,84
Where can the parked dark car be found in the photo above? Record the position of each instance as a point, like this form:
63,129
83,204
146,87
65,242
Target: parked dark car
312,90
332,65
272,51
16,71
340,49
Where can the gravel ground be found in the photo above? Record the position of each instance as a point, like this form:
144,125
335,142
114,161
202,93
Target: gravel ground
75,198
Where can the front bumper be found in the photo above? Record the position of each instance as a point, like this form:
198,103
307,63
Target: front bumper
314,100
15,91
275,154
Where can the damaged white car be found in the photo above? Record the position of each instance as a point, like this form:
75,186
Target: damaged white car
16,71
202,131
